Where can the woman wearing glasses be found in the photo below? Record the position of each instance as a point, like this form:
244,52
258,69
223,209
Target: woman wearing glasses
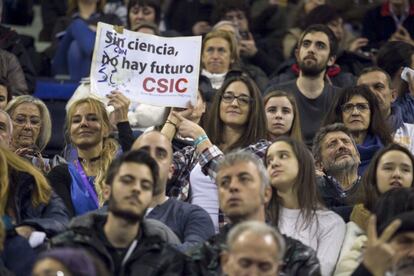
358,108
237,120
31,129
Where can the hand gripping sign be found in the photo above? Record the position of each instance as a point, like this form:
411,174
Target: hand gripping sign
148,69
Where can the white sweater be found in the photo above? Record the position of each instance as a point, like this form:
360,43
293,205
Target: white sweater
325,234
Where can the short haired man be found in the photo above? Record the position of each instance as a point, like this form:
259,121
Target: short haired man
391,252
6,129
337,158
261,55
253,248
191,223
314,95
379,82
123,239
244,190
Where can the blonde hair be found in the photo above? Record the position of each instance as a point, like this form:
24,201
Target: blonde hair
231,40
46,125
9,161
109,146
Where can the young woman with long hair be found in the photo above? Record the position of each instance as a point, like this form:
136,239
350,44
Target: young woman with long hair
295,207
80,183
282,115
237,120
27,201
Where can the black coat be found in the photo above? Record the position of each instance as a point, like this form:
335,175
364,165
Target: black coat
151,256
50,218
299,259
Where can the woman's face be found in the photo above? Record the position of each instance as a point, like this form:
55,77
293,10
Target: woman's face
394,170
138,14
282,166
216,56
86,128
27,123
49,266
235,111
3,97
356,114
280,115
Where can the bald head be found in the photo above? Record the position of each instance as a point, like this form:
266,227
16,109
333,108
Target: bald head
160,148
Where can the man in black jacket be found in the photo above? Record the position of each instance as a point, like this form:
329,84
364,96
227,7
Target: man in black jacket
243,186
337,160
123,240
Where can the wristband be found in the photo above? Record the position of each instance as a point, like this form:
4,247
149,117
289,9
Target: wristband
200,139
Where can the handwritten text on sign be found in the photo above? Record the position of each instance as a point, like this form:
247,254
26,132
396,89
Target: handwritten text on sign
146,68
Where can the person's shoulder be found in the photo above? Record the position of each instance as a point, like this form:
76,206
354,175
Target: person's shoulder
287,86
160,231
330,218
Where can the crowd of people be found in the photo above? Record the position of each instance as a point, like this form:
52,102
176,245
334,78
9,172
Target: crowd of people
297,158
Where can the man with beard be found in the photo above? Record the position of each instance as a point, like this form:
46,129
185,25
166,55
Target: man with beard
191,223
122,239
244,190
316,51
337,160
379,82
391,251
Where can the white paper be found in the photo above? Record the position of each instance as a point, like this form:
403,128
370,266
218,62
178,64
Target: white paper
148,69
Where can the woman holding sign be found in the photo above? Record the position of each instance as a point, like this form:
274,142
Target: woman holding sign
237,121
80,183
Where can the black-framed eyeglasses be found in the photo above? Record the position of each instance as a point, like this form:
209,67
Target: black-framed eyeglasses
350,107
242,99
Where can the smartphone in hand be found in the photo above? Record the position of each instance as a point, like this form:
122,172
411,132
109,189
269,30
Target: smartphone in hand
405,72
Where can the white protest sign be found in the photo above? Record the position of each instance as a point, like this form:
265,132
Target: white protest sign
146,68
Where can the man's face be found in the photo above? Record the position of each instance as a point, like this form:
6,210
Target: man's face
131,192
378,83
252,254
239,19
338,152
403,260
159,147
240,191
313,54
5,133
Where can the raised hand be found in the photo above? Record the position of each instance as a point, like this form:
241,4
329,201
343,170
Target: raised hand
378,254
121,106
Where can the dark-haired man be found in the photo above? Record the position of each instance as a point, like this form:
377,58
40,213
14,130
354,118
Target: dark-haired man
314,95
123,239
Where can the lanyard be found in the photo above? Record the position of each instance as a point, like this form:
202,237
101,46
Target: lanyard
399,22
86,183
